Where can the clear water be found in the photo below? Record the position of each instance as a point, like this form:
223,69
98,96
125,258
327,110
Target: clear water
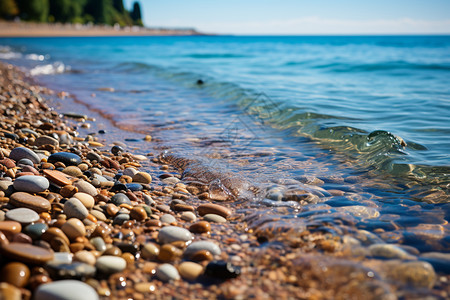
369,116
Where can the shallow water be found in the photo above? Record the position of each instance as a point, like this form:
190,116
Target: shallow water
347,135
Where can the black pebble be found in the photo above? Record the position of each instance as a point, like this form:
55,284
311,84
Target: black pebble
101,131
116,150
200,82
222,269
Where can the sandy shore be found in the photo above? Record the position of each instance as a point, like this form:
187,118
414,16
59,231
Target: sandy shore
23,29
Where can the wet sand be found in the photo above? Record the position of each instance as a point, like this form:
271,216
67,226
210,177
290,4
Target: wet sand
23,29
126,225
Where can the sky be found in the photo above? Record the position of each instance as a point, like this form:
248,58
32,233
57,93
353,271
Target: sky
296,17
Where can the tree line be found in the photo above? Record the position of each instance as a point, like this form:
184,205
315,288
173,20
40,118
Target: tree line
72,11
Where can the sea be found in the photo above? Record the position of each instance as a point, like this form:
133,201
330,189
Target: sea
320,129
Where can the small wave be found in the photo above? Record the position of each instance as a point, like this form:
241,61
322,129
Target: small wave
6,53
215,55
36,57
49,69
383,66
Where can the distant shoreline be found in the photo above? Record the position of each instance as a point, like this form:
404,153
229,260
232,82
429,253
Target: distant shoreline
26,29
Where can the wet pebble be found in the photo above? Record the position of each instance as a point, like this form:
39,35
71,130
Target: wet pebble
190,271
73,228
109,264
150,251
76,270
202,245
74,208
222,270
167,272
86,187
98,243
22,152
119,199
15,273
46,140
142,177
85,256
87,200
188,216
27,253
168,219
214,218
65,289
36,230
171,234
35,203
414,273
138,213
211,208
200,227
22,215
67,158
389,251
31,184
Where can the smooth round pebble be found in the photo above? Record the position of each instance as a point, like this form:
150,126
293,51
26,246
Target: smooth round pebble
74,208
142,177
98,243
31,184
216,209
171,234
120,198
35,203
27,253
188,216
65,290
214,218
22,215
109,264
67,158
15,273
150,251
36,230
86,187
168,218
85,256
87,200
74,228
167,272
190,270
202,245
22,152
130,172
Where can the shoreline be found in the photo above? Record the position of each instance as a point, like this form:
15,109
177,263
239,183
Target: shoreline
25,29
312,264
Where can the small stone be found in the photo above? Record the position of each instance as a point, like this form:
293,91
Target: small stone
188,216
130,172
150,251
134,187
167,272
116,150
214,218
211,208
202,245
200,227
98,243
15,273
67,158
190,271
109,264
73,208
142,177
222,270
86,257
61,258
414,273
121,218
144,287
46,140
389,251
168,252
92,156
76,270
36,230
85,187
9,292
31,184
57,177
35,203
171,234
73,171
65,289
138,213
74,228
87,200
27,253
22,152
168,219
22,215
119,199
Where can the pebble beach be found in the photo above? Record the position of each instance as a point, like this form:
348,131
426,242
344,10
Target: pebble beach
84,216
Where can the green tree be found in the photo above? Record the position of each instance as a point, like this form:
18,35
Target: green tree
60,10
118,5
135,14
8,9
33,10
